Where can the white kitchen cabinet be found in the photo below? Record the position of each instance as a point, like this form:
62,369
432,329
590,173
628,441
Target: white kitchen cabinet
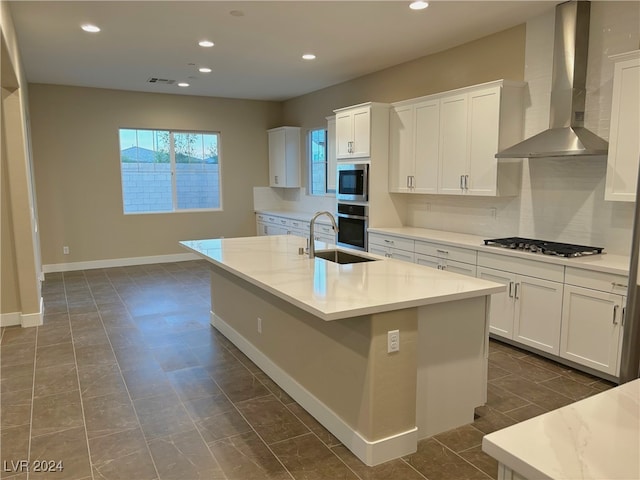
446,257
414,146
331,154
475,124
530,311
592,319
353,132
624,140
284,157
390,246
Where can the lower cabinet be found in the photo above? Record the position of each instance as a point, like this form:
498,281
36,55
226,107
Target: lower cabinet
530,310
392,247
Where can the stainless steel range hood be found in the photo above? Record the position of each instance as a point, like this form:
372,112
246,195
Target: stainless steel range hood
566,136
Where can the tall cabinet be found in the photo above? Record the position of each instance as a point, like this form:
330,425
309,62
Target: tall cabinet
624,139
284,157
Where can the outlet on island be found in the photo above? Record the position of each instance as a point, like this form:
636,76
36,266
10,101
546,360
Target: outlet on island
393,341
65,250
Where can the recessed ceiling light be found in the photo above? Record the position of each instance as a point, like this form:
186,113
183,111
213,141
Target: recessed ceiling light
87,27
418,5
309,56
205,43
204,70
183,84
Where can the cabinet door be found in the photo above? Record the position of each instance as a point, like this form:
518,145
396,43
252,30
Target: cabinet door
401,154
276,158
344,134
426,147
453,144
272,229
591,328
261,228
538,313
331,155
484,121
624,141
502,304
361,146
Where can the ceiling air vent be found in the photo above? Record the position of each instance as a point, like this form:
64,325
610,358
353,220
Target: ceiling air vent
160,81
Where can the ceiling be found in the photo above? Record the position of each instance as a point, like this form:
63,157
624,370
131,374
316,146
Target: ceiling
258,45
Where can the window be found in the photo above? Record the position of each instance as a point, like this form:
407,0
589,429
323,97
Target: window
318,161
169,171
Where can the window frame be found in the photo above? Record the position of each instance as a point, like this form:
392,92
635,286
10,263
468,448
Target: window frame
173,163
310,163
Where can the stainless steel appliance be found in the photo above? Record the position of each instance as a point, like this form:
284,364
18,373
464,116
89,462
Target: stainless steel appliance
542,246
353,182
352,226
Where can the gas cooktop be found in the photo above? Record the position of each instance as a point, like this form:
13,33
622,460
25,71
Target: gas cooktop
542,246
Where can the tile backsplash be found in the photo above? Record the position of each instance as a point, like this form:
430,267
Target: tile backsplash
291,200
560,199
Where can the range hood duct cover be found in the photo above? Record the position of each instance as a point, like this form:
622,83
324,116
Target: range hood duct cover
566,136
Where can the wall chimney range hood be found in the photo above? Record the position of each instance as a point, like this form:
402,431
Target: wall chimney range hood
566,135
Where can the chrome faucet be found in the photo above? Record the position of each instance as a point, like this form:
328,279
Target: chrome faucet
312,248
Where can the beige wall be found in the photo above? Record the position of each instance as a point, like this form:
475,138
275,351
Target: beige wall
76,155
497,56
19,273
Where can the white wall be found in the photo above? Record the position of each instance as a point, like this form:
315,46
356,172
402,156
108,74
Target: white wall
291,200
560,199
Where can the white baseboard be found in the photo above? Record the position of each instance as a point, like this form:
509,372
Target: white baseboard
9,319
25,320
118,262
370,452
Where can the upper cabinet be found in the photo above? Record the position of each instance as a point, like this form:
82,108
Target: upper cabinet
413,147
353,132
446,143
624,141
284,157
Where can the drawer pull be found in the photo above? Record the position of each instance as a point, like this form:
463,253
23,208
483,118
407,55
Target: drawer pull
620,285
615,314
388,241
444,252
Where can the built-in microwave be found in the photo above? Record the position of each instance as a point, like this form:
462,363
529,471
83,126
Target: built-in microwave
353,182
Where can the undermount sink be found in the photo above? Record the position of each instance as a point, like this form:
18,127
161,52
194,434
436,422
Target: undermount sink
340,256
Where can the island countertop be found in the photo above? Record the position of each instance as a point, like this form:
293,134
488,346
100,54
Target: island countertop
596,438
332,291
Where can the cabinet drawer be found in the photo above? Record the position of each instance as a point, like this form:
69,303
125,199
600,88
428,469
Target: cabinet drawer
531,268
461,268
447,252
605,282
261,217
299,224
399,243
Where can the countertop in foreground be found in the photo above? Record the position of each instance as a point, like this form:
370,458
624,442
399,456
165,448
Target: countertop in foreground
332,291
597,438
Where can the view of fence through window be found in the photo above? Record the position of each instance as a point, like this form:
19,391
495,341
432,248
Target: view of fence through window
168,171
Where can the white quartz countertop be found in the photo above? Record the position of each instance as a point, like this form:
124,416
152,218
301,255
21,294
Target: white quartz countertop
596,438
608,263
332,291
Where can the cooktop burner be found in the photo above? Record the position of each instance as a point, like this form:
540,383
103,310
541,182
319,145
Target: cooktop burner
541,246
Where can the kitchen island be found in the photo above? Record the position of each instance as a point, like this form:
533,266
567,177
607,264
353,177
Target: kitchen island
321,330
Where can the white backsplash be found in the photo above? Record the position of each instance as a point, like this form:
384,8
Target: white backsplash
291,200
560,199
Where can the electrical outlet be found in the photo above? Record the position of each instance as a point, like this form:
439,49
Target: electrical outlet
393,341
494,212
65,250
259,325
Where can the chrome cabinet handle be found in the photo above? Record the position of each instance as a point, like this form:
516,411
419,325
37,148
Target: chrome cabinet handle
511,289
413,181
461,187
621,285
466,182
615,314
388,241
624,309
516,292
444,267
444,252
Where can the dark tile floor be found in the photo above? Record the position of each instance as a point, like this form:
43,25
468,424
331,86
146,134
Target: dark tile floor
127,380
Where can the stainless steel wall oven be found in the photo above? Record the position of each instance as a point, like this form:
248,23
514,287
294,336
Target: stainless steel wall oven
353,222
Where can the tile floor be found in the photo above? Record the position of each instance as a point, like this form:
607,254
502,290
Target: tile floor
127,380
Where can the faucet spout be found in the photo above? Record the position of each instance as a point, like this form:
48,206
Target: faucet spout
312,248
